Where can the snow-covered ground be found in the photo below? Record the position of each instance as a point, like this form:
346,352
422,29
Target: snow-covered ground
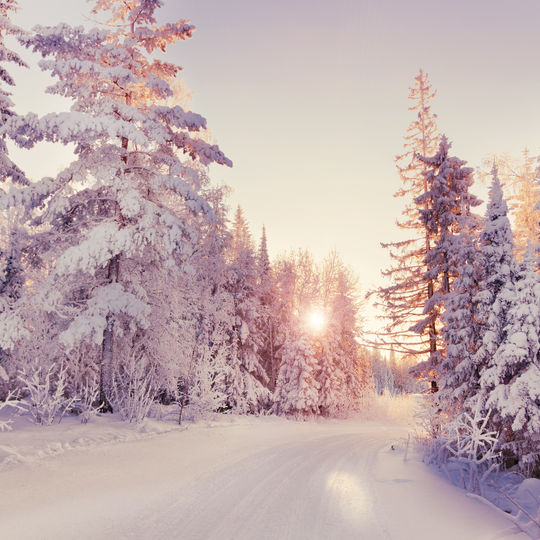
234,478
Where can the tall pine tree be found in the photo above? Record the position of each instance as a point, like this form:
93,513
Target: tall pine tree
404,299
446,214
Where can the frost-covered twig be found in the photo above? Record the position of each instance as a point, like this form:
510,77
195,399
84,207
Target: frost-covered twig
5,425
88,403
473,447
46,399
133,391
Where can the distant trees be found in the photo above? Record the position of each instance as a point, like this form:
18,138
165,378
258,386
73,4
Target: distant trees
322,321
297,385
391,376
249,381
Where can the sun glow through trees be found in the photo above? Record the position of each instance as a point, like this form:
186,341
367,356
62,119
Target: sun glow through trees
317,320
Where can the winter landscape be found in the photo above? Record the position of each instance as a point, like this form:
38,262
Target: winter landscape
363,363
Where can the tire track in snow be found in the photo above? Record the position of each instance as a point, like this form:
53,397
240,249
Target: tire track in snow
319,489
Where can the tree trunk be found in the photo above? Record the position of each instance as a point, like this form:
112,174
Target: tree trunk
107,346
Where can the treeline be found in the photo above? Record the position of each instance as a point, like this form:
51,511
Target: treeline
123,281
464,293
391,375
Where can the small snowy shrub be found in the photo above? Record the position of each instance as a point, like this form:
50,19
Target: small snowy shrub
204,395
133,389
88,404
473,448
46,399
431,432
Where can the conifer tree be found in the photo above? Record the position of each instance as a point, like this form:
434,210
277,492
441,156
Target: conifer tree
241,241
248,379
446,214
263,260
460,331
522,189
114,211
340,374
403,300
297,388
498,265
511,381
8,169
266,292
13,237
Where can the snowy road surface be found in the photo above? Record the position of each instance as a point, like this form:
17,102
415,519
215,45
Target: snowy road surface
257,479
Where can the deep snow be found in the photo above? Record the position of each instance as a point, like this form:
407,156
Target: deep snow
237,478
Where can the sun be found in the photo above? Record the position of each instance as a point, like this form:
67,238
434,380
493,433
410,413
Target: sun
317,320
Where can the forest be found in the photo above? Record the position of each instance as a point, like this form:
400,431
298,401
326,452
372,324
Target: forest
126,280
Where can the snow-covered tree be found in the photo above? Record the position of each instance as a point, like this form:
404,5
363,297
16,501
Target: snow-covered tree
498,266
511,381
383,378
340,374
266,288
317,306
8,169
296,285
122,208
526,197
460,331
13,237
446,213
263,260
248,378
404,299
297,388
520,179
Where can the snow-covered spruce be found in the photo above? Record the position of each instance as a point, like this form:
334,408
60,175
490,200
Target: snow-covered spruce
123,217
499,268
446,212
13,238
247,378
511,381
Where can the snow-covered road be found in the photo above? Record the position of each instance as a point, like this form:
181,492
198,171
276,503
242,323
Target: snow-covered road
260,479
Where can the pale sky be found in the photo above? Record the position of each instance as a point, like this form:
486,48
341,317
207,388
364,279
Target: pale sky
309,100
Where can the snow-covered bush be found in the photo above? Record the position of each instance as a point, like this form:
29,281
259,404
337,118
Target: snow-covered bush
45,389
472,446
88,404
133,388
464,447
205,395
431,433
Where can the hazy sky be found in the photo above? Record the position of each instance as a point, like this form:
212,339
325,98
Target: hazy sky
309,100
